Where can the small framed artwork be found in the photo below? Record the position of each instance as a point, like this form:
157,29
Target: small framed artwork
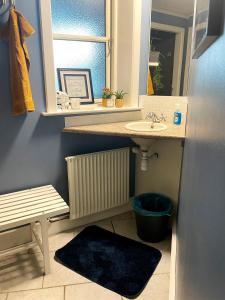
207,26
77,83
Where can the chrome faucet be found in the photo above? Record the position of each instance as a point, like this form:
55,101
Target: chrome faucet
154,118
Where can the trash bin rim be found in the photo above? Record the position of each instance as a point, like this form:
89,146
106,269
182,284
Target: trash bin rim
168,212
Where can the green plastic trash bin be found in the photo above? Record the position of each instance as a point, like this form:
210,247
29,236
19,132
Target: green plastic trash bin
152,213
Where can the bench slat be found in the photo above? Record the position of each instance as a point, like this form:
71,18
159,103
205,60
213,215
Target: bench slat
33,207
6,203
27,190
30,219
33,212
18,195
26,203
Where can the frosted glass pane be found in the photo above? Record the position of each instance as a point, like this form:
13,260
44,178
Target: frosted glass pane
86,17
82,55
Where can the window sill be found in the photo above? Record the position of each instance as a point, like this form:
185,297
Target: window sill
92,111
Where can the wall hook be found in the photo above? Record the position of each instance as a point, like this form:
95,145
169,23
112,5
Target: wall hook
12,3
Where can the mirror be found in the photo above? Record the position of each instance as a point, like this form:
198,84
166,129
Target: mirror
170,47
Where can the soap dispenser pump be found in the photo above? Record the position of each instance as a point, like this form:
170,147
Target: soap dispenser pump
177,116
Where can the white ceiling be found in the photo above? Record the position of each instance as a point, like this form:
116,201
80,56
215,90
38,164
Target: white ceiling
177,7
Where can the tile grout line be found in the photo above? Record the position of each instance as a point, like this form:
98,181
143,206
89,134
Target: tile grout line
75,284
45,288
163,273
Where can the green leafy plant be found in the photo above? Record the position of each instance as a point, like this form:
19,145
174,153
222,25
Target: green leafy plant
157,78
120,94
107,93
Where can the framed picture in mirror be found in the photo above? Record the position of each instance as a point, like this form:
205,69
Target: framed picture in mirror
207,24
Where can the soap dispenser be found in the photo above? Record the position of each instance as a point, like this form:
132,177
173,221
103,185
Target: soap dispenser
177,119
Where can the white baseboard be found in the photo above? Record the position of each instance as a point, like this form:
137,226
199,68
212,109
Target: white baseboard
172,291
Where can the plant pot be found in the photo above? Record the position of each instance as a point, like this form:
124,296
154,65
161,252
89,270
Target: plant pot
119,103
107,102
104,102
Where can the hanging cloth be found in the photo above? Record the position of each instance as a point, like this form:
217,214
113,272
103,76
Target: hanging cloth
150,83
16,31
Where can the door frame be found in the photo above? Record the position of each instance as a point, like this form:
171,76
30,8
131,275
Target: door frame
178,53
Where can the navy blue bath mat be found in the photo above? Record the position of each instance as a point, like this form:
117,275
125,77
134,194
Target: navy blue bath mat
110,260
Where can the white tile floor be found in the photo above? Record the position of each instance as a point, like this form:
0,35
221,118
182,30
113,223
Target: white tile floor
21,275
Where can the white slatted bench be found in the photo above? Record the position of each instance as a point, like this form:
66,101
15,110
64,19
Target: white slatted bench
28,207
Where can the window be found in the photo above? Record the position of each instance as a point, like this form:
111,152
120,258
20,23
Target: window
79,34
81,37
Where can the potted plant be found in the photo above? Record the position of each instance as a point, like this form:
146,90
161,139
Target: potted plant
119,101
156,70
107,97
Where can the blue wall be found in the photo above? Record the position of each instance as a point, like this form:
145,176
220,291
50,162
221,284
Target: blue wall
162,18
33,147
201,221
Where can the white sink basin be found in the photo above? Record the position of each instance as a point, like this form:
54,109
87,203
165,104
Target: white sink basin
145,126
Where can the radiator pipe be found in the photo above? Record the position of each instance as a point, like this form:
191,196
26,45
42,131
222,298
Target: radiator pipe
59,218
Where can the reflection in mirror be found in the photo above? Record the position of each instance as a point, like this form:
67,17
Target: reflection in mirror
170,47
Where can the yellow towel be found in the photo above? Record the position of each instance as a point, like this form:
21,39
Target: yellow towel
16,31
150,84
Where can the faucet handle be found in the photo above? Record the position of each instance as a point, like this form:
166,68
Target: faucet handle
150,116
153,117
163,118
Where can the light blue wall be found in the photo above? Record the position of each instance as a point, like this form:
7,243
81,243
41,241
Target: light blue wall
32,147
167,19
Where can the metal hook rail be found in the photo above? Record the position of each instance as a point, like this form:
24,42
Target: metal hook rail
12,2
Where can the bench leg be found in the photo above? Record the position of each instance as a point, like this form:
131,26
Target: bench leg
45,245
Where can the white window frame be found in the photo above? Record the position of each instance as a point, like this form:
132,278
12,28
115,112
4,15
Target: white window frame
48,55
122,47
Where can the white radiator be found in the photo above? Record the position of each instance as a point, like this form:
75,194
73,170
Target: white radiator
98,181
